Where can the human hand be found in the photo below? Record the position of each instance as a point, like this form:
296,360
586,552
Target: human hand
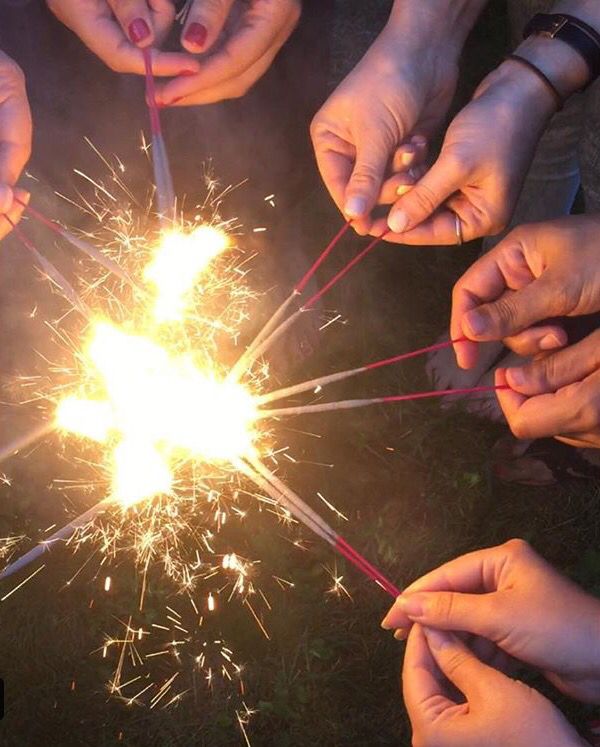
15,140
117,30
403,86
479,173
537,272
512,597
242,39
497,711
556,395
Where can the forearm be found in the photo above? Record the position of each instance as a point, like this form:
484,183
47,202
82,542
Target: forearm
563,65
446,21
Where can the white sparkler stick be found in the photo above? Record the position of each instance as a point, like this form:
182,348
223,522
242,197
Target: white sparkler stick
305,386
26,440
249,356
293,501
63,534
83,246
348,404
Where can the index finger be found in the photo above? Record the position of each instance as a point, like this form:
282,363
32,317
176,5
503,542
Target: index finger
253,37
105,38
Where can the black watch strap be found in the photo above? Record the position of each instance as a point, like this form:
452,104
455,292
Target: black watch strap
579,35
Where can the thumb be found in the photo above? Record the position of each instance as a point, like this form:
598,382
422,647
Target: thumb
512,312
449,610
366,179
414,207
460,665
204,22
551,373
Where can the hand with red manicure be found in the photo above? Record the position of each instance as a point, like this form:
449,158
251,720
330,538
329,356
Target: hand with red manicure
117,30
539,272
15,140
238,40
509,596
496,711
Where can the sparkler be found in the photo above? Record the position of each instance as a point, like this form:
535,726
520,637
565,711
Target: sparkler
173,423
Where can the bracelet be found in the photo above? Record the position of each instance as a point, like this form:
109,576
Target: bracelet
542,76
579,35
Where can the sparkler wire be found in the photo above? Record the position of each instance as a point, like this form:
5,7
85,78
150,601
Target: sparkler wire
165,192
50,271
268,481
322,381
349,404
63,534
83,246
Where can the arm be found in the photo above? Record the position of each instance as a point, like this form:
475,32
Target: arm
510,110
403,86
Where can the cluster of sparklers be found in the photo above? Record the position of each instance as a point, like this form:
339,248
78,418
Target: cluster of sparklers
176,436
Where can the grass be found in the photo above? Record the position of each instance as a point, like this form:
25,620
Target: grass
415,483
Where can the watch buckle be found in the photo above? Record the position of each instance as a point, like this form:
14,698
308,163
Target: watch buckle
556,27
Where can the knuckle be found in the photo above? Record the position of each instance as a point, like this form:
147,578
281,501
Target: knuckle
455,661
426,198
442,607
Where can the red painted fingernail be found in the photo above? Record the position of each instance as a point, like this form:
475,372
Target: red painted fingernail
196,34
187,72
138,30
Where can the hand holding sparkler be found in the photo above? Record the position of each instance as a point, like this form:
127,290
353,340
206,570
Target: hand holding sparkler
242,39
538,273
15,140
117,31
510,596
403,86
496,710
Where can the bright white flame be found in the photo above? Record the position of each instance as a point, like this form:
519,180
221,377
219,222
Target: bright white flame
177,263
162,407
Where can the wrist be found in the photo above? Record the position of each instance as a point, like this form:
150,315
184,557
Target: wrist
444,24
559,62
523,89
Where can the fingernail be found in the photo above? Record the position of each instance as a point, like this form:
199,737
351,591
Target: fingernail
550,342
398,221
196,34
403,189
138,30
187,73
411,605
407,158
516,376
476,323
385,623
437,639
355,207
400,634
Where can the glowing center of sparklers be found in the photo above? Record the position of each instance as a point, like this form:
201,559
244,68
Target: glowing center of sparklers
158,408
179,260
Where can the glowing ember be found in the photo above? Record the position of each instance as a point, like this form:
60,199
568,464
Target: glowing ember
177,264
155,407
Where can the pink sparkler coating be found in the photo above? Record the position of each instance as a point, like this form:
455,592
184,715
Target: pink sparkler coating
354,557
322,257
151,93
344,271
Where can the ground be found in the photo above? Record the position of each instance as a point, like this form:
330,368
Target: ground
414,481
